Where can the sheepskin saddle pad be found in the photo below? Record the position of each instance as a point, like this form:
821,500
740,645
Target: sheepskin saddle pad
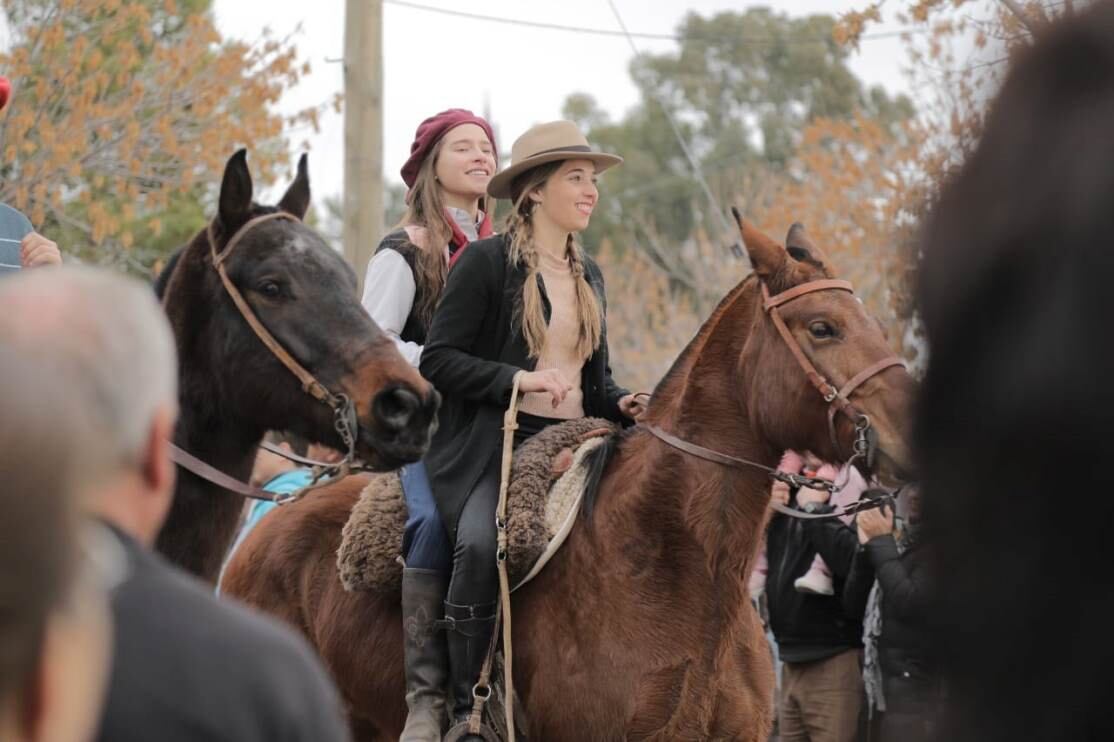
548,480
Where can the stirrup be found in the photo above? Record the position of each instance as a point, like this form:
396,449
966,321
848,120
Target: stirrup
460,730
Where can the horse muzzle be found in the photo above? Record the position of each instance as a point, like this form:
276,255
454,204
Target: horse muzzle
400,427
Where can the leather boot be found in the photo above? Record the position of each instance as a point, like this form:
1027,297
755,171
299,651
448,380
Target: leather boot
425,657
468,640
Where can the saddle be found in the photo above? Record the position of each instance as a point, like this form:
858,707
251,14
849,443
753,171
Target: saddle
548,481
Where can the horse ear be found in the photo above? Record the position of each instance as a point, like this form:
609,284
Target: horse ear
296,199
235,191
766,256
797,243
802,248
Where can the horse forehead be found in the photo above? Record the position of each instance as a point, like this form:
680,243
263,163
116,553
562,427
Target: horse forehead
299,243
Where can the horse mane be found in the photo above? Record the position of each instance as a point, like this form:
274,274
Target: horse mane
677,375
163,279
597,461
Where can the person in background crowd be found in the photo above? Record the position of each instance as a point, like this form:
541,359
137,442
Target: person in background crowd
900,679
55,625
20,245
818,636
452,160
1014,419
279,476
849,485
185,667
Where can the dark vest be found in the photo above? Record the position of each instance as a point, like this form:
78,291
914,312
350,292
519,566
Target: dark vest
415,330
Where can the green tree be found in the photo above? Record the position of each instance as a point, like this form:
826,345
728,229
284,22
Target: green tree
742,87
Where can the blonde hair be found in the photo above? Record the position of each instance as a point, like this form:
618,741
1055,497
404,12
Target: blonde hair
426,208
530,313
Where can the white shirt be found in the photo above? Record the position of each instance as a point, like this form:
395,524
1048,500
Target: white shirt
389,296
389,286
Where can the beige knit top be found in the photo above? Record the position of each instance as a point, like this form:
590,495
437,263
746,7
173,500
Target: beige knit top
559,350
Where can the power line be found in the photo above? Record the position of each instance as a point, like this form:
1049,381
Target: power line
635,34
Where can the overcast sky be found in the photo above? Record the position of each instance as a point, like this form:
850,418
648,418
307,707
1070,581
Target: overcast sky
522,75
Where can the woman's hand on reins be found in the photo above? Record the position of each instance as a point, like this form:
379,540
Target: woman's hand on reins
549,380
630,406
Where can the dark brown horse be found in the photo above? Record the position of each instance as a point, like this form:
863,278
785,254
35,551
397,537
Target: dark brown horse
640,627
233,388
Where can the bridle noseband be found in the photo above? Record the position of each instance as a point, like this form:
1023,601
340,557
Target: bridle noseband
837,398
345,421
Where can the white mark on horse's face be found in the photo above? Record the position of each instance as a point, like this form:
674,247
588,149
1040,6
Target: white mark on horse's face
299,244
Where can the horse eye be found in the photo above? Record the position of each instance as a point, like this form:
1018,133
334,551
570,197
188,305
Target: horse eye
270,289
821,330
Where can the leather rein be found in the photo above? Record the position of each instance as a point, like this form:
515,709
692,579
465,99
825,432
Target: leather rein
838,399
344,411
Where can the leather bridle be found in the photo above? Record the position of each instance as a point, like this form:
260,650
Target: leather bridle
837,398
344,411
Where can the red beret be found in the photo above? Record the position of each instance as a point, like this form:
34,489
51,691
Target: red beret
432,129
5,91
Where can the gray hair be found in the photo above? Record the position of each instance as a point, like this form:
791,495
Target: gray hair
106,336
45,452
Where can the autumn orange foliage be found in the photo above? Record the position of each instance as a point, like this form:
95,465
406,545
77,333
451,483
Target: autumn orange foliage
113,117
847,185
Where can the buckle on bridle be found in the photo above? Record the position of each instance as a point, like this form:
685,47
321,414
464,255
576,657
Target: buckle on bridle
345,422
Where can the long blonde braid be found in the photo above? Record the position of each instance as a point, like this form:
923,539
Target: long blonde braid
530,314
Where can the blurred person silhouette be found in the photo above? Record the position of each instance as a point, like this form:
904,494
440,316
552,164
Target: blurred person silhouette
1014,420
185,665
55,626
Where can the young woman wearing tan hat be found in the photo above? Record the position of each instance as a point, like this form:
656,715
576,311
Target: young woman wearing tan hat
529,302
452,160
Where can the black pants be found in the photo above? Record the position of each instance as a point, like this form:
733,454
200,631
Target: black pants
912,708
475,580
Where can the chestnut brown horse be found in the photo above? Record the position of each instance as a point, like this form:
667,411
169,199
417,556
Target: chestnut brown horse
233,388
640,627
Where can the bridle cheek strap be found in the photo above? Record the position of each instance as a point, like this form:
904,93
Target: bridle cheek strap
309,383
770,304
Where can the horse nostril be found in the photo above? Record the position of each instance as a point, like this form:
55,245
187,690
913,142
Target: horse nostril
396,407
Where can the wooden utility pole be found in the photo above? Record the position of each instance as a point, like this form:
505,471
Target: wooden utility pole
363,131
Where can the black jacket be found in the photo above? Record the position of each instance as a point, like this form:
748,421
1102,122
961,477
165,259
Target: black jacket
811,627
190,668
903,645
474,349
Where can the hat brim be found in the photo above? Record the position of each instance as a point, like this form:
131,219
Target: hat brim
500,185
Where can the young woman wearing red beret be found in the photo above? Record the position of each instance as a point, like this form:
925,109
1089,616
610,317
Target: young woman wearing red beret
452,159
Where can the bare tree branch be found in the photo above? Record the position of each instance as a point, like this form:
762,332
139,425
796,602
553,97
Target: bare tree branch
1021,15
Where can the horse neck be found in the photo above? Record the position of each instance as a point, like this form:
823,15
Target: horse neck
722,510
203,518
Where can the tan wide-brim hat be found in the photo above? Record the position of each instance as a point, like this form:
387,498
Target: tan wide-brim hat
557,140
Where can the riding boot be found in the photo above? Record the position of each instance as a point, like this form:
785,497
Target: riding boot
468,638
425,657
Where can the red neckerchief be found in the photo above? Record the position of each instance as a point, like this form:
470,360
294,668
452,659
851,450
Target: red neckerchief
460,240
